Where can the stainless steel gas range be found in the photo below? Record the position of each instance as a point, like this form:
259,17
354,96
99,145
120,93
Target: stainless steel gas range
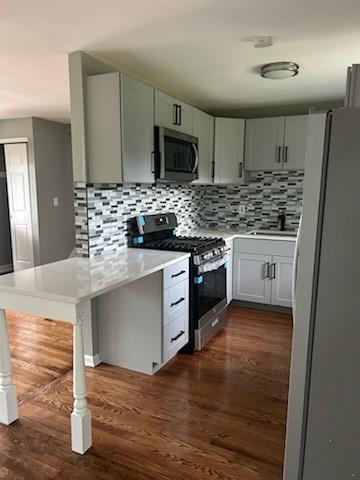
207,308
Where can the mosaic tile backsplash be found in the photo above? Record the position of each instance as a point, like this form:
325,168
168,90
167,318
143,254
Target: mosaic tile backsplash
102,211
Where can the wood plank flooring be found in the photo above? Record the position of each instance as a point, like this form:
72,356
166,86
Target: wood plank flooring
219,414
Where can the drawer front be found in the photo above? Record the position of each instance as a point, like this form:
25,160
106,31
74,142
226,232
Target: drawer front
175,336
176,301
176,273
285,248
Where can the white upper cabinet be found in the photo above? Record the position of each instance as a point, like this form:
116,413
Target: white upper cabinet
137,127
120,129
276,143
103,129
204,131
172,113
295,142
264,142
229,150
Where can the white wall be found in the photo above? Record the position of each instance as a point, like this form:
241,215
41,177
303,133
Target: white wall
54,179
50,170
5,238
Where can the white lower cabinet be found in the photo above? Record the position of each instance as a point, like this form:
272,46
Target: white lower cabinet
281,285
229,270
145,323
263,271
250,278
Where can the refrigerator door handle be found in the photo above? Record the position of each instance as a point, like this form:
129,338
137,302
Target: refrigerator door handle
295,269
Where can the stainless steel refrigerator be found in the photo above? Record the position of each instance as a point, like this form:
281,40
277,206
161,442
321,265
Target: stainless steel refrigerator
323,430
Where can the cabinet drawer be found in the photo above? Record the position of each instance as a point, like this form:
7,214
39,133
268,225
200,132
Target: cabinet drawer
264,247
176,273
176,301
175,336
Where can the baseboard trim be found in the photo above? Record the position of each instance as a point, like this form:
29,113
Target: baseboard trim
261,306
6,268
92,360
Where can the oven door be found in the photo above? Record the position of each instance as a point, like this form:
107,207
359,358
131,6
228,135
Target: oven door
209,289
178,155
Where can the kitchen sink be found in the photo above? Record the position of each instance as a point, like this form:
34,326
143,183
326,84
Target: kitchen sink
274,233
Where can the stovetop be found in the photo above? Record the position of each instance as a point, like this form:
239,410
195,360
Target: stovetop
194,245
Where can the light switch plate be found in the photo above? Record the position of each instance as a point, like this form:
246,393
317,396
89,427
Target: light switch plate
55,201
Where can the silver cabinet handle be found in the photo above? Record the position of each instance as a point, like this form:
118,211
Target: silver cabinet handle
267,270
175,110
179,114
278,154
196,152
240,169
152,162
285,154
273,271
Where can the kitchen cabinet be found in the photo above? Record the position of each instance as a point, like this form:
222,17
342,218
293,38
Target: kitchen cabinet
203,129
137,130
146,322
263,271
172,113
120,129
295,142
281,287
229,150
250,277
229,270
276,143
263,143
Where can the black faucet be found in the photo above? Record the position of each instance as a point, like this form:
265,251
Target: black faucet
282,219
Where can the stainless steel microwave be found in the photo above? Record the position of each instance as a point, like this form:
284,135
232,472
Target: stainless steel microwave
176,156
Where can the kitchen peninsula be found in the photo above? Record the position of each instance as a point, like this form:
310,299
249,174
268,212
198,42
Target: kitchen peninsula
63,291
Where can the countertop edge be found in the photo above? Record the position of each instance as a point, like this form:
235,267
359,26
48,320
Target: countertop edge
77,300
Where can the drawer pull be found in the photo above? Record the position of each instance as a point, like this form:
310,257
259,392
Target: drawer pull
178,274
180,334
182,299
214,322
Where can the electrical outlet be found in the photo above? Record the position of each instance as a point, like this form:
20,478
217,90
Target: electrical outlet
242,209
55,201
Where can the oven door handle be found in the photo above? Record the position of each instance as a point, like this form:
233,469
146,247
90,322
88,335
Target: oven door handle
212,265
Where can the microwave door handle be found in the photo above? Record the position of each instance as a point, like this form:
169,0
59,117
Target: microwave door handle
196,152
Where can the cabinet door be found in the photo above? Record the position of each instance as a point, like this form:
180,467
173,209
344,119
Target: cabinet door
264,143
229,271
137,125
171,113
103,128
204,131
250,280
281,285
295,142
229,150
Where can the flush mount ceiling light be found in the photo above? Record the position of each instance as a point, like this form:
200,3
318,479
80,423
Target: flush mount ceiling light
279,70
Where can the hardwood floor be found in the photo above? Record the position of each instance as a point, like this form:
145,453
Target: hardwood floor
217,415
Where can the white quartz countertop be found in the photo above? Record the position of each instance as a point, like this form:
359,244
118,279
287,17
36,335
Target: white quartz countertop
231,234
78,279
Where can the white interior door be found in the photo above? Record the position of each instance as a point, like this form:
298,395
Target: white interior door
17,173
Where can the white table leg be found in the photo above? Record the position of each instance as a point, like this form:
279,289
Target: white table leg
81,437
8,400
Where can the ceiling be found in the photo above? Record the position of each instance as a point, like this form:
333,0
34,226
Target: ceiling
200,50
